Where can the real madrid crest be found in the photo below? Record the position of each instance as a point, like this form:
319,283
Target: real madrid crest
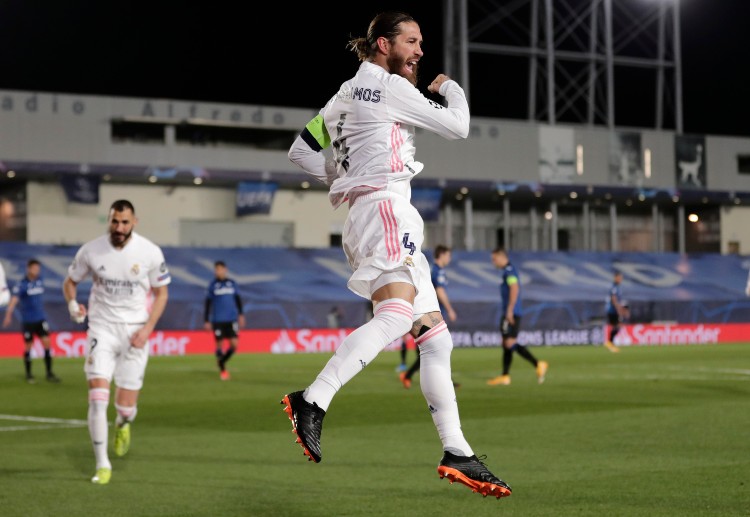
409,262
135,269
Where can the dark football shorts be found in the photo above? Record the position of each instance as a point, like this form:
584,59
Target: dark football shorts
508,330
35,328
226,330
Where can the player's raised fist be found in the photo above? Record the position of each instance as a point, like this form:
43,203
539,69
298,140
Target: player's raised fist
434,86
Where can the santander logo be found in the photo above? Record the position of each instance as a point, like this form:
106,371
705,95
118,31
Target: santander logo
74,344
308,341
669,334
284,344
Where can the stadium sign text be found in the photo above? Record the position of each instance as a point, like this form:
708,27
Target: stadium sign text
53,104
681,334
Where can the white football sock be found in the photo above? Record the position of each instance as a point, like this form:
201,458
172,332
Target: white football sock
392,319
98,426
435,379
125,414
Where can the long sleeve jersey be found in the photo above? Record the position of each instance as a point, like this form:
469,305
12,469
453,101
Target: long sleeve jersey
370,124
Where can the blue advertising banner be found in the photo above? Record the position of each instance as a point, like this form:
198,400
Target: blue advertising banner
427,202
298,288
255,197
80,188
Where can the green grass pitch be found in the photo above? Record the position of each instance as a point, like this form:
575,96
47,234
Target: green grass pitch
657,431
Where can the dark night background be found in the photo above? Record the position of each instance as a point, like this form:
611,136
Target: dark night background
294,54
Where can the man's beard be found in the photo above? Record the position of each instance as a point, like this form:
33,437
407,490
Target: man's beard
119,239
396,66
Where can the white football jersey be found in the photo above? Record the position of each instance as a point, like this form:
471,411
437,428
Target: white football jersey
4,291
121,278
370,124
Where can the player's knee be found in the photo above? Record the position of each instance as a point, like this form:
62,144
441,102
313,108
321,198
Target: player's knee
396,314
426,321
434,338
98,398
397,324
126,412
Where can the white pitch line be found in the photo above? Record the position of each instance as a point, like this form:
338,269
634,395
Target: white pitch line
59,423
728,370
37,427
699,369
42,419
707,369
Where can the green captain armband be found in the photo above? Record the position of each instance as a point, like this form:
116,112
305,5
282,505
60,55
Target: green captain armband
316,135
512,280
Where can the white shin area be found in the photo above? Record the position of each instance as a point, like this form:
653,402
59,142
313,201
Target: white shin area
436,381
392,319
98,425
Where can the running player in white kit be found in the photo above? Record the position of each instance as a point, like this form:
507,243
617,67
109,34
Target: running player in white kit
125,268
369,124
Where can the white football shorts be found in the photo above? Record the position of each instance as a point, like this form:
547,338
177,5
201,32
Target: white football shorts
382,240
109,355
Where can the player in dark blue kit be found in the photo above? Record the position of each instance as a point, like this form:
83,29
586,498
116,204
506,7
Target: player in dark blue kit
441,259
223,315
616,311
510,293
27,294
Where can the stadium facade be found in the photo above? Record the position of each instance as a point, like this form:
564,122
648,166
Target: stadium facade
526,185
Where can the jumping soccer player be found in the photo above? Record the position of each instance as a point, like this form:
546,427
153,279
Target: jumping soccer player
369,125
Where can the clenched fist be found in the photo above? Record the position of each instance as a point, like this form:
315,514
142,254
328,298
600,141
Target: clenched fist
434,86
